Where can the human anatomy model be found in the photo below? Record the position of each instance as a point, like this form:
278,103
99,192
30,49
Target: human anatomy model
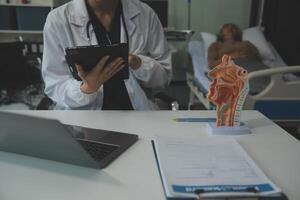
228,91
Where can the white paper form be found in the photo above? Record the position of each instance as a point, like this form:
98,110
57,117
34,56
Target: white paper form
218,166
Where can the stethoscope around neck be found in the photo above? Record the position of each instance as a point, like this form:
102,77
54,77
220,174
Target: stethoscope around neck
124,25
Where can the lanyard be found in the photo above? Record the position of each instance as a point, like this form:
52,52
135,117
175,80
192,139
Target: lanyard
123,22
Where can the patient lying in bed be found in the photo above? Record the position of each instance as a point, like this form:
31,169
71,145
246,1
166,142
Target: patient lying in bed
244,54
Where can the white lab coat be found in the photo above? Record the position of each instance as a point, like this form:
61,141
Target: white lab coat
66,27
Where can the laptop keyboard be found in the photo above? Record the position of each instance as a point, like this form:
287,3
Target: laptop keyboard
98,151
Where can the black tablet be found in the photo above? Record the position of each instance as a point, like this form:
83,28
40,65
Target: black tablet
89,56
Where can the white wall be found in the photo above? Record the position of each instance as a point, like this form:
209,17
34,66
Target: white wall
209,15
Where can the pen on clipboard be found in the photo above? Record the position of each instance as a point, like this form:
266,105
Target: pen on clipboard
194,119
252,190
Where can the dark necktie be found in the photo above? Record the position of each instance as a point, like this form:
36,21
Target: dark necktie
115,95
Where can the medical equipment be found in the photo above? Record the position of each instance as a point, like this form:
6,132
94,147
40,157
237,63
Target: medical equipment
228,91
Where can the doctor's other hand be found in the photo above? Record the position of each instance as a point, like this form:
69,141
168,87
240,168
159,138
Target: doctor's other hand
135,62
94,79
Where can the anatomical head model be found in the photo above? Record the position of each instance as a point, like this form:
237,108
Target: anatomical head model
228,91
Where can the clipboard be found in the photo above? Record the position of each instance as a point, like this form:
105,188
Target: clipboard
199,193
89,56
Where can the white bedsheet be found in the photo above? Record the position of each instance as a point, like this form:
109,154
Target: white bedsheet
200,66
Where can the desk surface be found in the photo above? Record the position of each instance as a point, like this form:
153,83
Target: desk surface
134,174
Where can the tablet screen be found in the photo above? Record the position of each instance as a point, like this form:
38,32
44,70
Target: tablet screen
89,56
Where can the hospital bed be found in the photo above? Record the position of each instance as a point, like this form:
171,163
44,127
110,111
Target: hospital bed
279,100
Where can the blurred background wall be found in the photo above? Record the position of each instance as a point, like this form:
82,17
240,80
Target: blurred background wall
209,15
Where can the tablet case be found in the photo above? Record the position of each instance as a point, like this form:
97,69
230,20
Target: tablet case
89,56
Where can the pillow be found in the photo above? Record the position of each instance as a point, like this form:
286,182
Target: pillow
208,39
257,38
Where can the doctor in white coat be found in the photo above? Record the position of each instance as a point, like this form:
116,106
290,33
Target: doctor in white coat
149,60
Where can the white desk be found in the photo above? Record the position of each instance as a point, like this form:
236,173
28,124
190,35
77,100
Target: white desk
134,174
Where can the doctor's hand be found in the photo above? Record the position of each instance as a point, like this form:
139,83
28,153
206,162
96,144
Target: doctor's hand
135,62
92,80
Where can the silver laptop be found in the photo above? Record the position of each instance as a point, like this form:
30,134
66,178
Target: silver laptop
49,139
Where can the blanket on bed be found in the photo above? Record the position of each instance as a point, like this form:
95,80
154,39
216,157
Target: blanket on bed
257,84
